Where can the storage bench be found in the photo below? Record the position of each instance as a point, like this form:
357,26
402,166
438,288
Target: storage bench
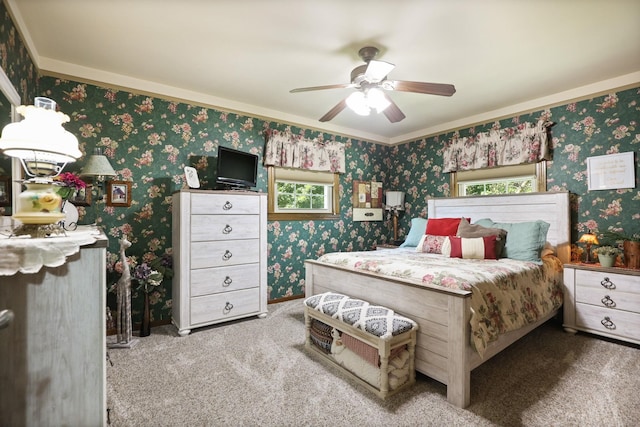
370,343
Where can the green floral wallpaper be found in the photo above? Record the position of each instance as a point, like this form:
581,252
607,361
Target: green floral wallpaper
602,125
149,140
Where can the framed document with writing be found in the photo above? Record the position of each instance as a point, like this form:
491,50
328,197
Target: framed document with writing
611,171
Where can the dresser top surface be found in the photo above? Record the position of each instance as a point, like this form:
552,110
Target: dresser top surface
598,267
234,192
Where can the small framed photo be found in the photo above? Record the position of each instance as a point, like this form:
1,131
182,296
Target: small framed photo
119,193
5,191
82,197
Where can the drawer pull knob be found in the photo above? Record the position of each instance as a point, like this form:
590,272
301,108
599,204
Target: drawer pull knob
227,308
227,229
607,283
607,323
227,281
608,301
227,206
227,255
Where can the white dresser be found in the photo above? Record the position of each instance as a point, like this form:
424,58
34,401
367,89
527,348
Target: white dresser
52,354
603,301
220,257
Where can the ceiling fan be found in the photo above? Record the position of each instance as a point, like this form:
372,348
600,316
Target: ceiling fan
370,80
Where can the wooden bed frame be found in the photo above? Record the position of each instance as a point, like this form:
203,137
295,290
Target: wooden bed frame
443,349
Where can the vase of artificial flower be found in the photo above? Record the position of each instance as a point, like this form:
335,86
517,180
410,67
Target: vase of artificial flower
607,255
149,275
630,245
68,183
147,278
145,323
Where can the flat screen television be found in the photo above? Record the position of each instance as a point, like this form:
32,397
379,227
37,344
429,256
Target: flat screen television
236,169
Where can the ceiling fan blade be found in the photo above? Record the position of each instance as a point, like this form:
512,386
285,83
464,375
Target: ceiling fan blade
421,87
393,112
378,70
334,111
307,89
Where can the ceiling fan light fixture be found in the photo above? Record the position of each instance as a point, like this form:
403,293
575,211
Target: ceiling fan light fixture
358,103
370,80
377,100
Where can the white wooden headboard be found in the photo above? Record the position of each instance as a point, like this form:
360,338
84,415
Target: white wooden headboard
549,207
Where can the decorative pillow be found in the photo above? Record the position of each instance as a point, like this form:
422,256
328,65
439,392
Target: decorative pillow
417,230
443,226
470,248
431,244
476,230
525,240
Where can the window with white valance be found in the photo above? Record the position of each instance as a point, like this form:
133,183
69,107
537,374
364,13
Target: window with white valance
284,149
525,143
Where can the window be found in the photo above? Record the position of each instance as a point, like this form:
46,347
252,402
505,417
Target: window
527,178
296,194
302,197
497,186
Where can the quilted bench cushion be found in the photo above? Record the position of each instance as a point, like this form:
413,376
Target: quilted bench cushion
376,320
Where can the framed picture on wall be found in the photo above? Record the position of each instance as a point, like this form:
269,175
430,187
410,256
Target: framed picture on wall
119,193
82,197
611,171
5,191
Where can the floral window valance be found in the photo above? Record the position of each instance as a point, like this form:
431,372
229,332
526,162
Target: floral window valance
525,143
293,151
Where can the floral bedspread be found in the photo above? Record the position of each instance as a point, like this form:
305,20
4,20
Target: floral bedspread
506,294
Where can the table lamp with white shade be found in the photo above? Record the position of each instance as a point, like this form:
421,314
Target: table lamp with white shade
44,148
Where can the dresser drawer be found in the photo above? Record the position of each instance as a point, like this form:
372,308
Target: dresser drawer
610,298
608,281
207,281
225,204
227,305
224,227
224,253
621,323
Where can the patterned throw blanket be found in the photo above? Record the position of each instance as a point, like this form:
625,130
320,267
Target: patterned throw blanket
506,294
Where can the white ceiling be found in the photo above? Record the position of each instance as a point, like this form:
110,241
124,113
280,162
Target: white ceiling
503,56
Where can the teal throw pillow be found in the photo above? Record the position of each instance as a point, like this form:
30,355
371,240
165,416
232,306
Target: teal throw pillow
417,230
525,240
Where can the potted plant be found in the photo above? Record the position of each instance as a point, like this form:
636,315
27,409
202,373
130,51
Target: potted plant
607,255
630,247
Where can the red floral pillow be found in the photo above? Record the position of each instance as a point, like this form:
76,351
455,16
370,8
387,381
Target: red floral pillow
431,244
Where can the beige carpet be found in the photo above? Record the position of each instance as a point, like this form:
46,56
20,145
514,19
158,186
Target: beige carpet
255,372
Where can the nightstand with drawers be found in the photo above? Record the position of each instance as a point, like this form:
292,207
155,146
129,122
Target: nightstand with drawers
603,301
